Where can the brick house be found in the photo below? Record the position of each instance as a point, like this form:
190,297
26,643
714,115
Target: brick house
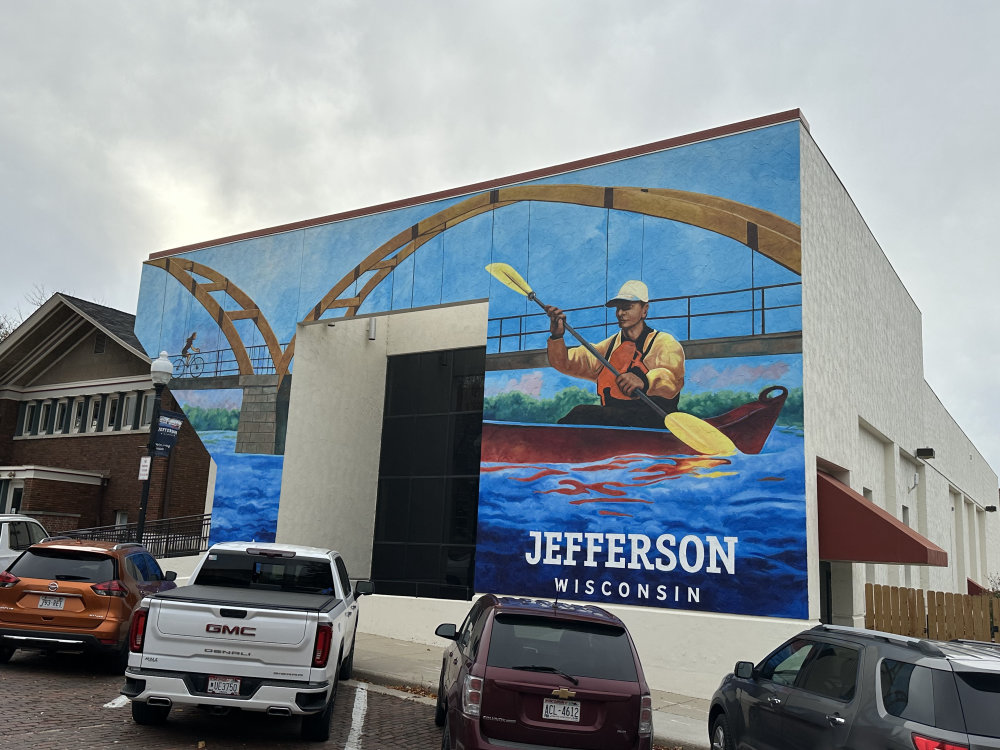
76,402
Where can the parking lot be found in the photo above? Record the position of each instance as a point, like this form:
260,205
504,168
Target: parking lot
68,702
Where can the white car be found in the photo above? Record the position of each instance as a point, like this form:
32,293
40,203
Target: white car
17,533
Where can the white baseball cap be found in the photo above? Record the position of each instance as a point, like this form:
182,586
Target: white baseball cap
631,291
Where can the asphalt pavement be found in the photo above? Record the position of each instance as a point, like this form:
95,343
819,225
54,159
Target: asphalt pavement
678,720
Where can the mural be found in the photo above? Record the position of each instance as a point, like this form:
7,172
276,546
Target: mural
693,497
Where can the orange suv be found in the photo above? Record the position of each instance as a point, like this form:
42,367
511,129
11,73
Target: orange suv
76,596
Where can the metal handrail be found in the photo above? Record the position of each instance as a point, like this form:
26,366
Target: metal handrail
165,537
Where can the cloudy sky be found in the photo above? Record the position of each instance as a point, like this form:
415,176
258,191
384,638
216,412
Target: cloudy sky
127,128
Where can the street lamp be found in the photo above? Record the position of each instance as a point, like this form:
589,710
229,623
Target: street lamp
160,372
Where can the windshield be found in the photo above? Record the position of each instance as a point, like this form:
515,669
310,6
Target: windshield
980,694
567,647
65,565
240,570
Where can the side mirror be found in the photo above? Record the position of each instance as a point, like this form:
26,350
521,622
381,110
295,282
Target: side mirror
361,588
169,575
447,630
743,670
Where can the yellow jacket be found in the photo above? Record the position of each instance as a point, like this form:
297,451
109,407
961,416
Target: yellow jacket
663,356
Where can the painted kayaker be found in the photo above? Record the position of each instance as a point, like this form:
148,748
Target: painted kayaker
647,360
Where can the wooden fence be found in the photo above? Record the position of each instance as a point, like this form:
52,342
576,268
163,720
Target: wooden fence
944,616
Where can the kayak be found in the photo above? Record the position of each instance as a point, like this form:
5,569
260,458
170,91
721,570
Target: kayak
748,426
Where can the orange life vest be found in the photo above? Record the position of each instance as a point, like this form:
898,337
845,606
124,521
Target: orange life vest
626,357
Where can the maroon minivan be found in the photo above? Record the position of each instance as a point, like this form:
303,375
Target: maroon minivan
534,672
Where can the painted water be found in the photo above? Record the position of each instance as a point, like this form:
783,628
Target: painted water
753,506
247,489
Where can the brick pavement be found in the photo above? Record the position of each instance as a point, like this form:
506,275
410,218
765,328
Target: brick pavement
58,703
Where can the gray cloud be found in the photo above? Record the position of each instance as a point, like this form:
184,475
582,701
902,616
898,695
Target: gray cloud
127,128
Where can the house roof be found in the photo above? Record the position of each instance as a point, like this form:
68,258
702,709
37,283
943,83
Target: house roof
57,325
115,323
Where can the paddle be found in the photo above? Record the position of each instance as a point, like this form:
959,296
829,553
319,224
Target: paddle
689,429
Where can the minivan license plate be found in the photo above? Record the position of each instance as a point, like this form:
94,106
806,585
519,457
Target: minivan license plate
561,710
51,602
223,685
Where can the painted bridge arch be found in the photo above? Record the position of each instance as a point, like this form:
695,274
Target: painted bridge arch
762,231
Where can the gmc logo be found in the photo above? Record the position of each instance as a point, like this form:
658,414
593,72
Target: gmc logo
246,630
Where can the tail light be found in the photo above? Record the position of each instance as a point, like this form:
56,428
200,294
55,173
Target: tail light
8,579
137,630
646,716
472,696
926,743
321,651
110,588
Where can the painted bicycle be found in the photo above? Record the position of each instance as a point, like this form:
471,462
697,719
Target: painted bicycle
189,365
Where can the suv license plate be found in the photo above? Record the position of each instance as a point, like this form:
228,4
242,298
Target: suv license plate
51,602
560,710
223,685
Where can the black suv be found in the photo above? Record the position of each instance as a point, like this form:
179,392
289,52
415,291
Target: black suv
838,687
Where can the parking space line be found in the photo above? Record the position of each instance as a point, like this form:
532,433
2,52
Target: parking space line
357,718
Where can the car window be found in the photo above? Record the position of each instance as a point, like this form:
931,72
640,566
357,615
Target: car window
345,580
271,574
581,649
65,565
476,636
980,695
133,568
832,671
907,691
784,664
475,616
151,568
24,533
36,532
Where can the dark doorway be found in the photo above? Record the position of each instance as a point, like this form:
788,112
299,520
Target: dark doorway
428,489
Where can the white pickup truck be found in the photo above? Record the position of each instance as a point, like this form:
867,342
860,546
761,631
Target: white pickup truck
261,627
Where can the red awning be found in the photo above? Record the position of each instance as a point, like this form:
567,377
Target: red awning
975,589
853,529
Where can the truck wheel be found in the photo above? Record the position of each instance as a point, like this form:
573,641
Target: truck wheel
147,715
440,708
116,662
446,735
316,727
5,654
721,739
347,668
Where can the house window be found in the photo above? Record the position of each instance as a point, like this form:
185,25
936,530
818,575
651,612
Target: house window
60,417
95,410
121,517
100,343
128,409
147,409
78,415
112,413
43,420
29,418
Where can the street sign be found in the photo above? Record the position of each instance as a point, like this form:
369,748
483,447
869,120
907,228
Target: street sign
144,463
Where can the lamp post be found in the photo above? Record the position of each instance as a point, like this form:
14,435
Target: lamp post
160,372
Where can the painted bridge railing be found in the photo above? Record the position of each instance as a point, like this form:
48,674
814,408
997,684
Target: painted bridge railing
753,311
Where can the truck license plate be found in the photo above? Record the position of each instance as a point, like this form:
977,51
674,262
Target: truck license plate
560,710
51,602
223,685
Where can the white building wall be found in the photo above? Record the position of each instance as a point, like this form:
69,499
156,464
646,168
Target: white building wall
867,407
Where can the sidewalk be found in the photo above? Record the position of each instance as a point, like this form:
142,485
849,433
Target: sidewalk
678,720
